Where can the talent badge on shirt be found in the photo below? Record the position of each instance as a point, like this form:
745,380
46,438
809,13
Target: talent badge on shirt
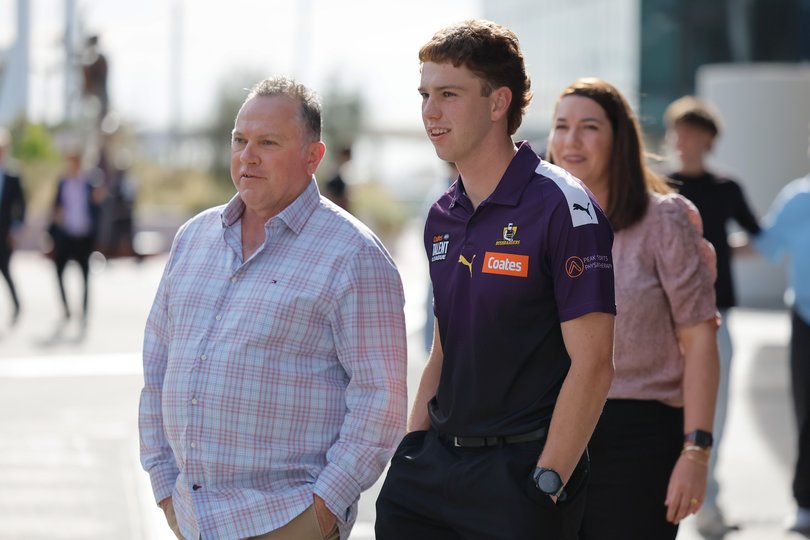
441,243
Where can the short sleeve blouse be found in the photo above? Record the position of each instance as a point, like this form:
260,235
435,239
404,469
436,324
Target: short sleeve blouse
665,274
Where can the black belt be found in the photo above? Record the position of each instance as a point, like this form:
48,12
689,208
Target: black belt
480,442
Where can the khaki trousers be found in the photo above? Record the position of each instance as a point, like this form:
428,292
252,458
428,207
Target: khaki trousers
305,526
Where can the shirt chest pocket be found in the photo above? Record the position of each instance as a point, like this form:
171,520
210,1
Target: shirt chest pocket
282,313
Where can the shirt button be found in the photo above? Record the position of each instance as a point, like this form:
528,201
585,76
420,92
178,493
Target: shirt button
195,487
194,401
204,357
233,279
194,445
219,317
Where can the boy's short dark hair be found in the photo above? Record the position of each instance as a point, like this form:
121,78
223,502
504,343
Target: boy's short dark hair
693,111
492,53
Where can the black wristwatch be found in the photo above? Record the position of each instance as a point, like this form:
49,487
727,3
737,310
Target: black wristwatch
699,438
549,482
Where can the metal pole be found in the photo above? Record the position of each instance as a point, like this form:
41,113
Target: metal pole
176,67
301,40
70,69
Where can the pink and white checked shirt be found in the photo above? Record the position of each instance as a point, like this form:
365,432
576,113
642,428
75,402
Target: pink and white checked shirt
272,379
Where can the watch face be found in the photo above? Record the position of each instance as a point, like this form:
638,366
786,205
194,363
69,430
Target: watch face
700,438
549,482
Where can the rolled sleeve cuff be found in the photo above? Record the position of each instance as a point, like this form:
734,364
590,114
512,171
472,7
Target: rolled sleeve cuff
163,478
339,491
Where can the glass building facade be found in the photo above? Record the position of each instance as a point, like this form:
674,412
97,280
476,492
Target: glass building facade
649,49
679,36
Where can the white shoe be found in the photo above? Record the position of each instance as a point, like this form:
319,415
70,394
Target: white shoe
711,523
800,522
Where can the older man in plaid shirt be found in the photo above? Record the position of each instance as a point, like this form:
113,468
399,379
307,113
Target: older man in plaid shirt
274,353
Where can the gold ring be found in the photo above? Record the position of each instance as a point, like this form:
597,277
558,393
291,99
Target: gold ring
694,502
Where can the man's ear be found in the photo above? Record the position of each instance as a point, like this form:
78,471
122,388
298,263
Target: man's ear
314,155
500,100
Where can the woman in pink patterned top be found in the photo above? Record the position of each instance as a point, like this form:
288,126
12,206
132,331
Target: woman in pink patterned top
650,449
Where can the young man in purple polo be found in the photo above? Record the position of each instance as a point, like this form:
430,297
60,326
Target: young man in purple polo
520,260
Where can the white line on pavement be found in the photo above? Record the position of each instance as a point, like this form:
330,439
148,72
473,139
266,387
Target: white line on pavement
71,365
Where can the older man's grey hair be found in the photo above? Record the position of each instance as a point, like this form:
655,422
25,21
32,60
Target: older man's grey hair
310,105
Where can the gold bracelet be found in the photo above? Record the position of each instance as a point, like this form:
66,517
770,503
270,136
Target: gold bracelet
693,457
696,448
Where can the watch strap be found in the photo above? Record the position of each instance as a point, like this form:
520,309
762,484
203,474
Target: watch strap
698,437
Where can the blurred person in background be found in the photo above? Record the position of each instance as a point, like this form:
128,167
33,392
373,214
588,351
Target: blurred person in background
275,350
650,450
521,357
336,189
74,226
94,78
786,234
433,194
116,223
692,128
12,216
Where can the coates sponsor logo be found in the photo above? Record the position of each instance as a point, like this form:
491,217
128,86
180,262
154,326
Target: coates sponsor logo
441,243
574,267
509,233
506,264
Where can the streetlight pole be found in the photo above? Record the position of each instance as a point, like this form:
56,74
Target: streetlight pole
301,39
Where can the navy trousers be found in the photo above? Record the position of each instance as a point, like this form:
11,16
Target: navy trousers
436,491
800,382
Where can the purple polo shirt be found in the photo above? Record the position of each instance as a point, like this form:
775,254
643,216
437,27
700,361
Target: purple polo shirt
537,252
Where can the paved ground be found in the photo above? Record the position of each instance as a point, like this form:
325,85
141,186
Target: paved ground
68,404
758,451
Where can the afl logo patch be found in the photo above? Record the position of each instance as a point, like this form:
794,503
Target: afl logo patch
574,267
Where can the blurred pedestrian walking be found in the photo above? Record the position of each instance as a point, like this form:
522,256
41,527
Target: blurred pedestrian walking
116,224
786,235
433,194
73,228
94,79
336,189
12,216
